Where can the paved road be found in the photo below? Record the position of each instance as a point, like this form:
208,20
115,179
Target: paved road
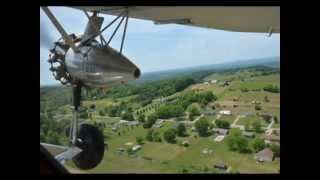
234,124
269,129
192,122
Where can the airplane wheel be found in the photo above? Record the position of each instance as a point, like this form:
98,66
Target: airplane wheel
92,146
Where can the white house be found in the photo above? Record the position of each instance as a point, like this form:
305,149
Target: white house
136,147
225,112
213,81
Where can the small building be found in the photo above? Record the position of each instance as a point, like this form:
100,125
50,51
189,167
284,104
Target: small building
157,126
185,143
136,147
220,166
225,112
206,83
209,112
213,81
219,138
220,131
276,132
264,155
123,122
248,134
267,117
193,129
272,138
121,150
133,123
206,151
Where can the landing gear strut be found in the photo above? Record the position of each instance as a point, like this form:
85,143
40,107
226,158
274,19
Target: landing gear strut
86,137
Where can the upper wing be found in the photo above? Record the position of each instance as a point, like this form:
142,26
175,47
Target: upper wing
239,19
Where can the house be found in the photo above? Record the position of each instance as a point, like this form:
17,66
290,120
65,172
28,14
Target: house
220,131
247,114
206,83
272,138
123,122
219,138
225,112
276,132
157,126
136,147
267,117
185,143
264,155
220,166
213,81
133,123
206,151
208,112
193,129
248,134
235,99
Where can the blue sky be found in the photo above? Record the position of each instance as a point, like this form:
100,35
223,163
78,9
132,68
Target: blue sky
161,47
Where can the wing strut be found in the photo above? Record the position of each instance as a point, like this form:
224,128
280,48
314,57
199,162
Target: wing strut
59,27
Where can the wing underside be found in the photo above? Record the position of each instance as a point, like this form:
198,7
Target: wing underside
240,19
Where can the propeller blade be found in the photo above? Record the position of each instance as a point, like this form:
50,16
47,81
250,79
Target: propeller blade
59,27
46,40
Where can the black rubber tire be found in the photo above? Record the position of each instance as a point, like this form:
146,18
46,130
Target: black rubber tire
92,147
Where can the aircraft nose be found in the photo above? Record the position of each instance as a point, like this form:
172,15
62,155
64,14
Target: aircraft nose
136,73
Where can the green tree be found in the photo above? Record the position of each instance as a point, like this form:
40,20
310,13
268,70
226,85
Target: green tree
272,88
181,130
247,126
222,123
169,111
126,115
141,118
202,126
156,137
237,142
258,144
149,136
170,135
242,144
193,110
102,113
275,149
139,140
257,107
152,118
275,118
257,126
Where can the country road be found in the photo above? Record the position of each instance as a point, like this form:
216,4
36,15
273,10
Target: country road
234,124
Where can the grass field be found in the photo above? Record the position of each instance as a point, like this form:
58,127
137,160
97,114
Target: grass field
155,157
172,158
250,119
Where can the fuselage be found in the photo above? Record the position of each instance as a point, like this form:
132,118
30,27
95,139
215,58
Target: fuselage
100,66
